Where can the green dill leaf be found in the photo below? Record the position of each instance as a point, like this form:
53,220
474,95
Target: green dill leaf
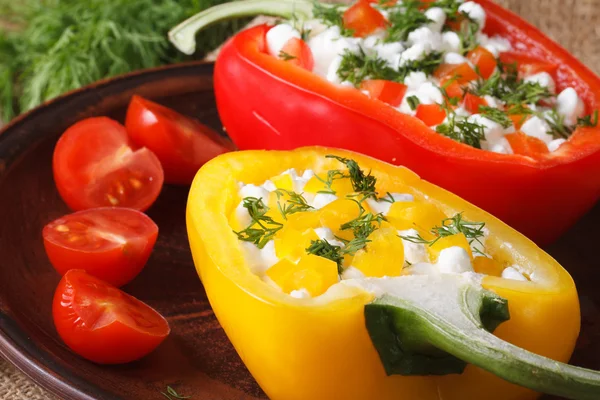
285,56
356,67
323,248
404,20
388,198
296,203
473,231
413,102
362,226
450,8
590,121
332,175
331,15
526,93
262,228
556,122
427,65
361,183
468,34
496,115
462,131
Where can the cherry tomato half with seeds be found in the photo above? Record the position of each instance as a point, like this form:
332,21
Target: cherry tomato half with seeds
181,144
103,324
96,165
112,244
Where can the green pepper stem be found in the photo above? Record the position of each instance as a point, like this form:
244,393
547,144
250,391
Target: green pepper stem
416,336
183,36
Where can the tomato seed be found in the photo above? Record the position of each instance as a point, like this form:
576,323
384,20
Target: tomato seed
135,183
112,199
62,228
120,188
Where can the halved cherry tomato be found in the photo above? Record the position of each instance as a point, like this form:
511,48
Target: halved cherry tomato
181,144
95,165
484,60
363,19
112,244
103,324
461,73
296,51
471,103
527,65
431,114
389,92
527,145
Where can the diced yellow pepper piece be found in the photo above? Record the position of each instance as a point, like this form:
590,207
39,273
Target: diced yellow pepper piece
315,274
274,212
284,182
341,187
406,215
383,255
487,266
337,213
449,241
292,244
282,273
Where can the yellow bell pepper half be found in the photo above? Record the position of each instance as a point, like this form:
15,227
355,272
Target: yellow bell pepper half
319,347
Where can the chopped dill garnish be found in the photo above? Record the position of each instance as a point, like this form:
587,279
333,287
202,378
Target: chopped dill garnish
361,183
462,131
356,67
590,121
468,34
556,122
413,102
295,203
404,20
285,56
388,198
496,115
332,175
263,228
331,15
427,65
323,248
362,226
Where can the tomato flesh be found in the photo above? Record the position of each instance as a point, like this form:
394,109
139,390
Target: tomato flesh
460,73
181,144
431,114
527,145
103,324
95,165
299,53
363,19
484,60
112,244
472,103
527,65
389,92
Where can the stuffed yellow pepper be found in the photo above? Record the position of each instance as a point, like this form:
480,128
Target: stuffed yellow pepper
338,276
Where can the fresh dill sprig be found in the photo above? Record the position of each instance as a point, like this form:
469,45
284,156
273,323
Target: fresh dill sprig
590,121
526,93
468,34
323,248
556,122
404,20
388,198
263,228
496,115
450,8
361,183
362,226
413,102
462,131
171,394
356,67
427,64
285,56
332,175
294,204
331,15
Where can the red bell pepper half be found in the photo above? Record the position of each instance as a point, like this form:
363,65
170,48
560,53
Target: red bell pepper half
267,103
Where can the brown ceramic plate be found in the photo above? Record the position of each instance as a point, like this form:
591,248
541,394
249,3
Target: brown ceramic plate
197,359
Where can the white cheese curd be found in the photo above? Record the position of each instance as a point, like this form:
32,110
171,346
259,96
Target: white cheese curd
389,52
454,260
454,58
427,93
423,268
537,127
241,213
451,42
474,11
258,192
428,38
501,146
352,273
260,260
300,294
327,234
437,17
415,79
322,199
332,71
570,106
494,44
269,186
513,273
327,45
383,206
555,144
461,112
413,53
309,173
278,36
492,130
544,79
414,253
492,101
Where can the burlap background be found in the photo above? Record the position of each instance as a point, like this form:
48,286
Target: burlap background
573,23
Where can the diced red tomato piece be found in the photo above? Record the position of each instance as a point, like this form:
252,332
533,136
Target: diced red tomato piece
103,324
389,92
461,73
484,60
518,120
112,244
471,103
431,114
388,3
363,19
296,51
528,65
453,89
527,145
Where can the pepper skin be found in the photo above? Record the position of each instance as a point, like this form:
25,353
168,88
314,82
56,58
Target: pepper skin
265,103
319,348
